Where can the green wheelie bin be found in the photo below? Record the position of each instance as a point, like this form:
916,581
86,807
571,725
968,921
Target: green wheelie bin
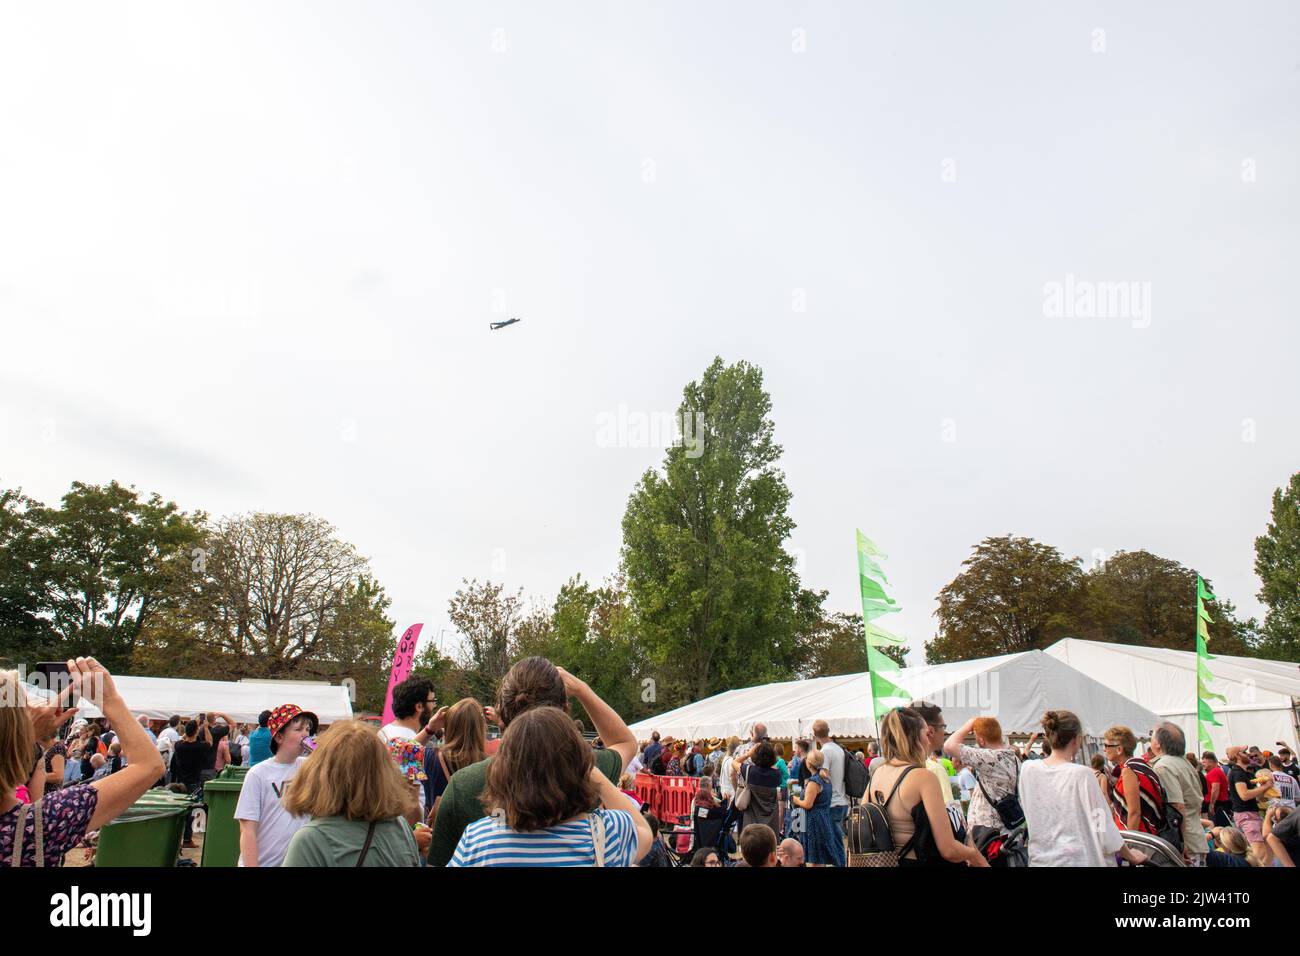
147,833
221,833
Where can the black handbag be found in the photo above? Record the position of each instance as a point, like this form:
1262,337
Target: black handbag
1008,809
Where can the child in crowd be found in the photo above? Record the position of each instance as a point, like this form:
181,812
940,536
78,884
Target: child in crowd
265,826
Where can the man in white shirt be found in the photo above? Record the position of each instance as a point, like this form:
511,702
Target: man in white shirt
834,765
167,740
416,715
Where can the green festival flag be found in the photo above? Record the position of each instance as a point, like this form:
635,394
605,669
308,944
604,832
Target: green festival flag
884,670
1204,714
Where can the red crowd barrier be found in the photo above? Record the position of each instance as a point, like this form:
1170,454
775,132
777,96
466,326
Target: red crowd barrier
668,797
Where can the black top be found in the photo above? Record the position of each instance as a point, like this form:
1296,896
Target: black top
218,732
1237,775
190,759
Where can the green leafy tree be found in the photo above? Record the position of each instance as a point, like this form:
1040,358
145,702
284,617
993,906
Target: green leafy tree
111,554
592,633
1014,594
26,634
276,596
1277,562
450,681
837,645
1136,597
715,592
489,620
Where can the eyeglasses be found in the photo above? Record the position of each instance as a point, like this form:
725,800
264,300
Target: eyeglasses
1108,744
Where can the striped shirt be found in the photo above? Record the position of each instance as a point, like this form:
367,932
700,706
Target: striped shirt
489,842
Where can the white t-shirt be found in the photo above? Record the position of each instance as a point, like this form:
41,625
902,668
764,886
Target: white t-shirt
1069,821
724,779
834,766
260,801
167,742
396,731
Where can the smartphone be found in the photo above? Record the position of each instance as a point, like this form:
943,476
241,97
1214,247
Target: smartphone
55,677
50,669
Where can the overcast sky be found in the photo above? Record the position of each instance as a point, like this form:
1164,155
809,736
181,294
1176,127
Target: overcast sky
249,253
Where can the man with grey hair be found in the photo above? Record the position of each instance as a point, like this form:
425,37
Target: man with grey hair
1182,783
144,723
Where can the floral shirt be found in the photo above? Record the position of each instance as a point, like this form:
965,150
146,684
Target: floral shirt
998,770
65,818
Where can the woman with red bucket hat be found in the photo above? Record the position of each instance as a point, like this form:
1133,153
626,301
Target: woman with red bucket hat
265,827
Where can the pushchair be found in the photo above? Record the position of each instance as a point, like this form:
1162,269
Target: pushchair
1159,852
1001,847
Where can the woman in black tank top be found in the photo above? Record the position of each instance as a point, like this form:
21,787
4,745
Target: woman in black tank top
904,741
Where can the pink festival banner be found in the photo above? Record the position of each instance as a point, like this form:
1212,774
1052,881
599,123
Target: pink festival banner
402,661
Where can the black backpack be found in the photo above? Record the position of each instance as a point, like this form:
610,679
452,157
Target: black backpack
856,776
868,823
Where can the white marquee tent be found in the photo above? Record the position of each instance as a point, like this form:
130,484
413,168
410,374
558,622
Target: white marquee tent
1263,696
160,697
1015,688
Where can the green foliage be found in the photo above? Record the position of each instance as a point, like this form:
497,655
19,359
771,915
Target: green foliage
272,596
836,645
488,620
25,635
1015,594
450,681
1277,562
1137,597
715,592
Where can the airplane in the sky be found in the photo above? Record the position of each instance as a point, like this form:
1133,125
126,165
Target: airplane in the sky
501,325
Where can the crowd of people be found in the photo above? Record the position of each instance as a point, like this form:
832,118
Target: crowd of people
432,788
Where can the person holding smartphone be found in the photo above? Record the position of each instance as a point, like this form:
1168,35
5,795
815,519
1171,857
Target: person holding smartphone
64,817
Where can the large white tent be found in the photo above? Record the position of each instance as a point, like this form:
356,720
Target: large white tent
1015,688
1263,696
160,697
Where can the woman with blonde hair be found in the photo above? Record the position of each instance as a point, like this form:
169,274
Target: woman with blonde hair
1137,795
913,803
358,802
57,822
464,742
1229,847
823,842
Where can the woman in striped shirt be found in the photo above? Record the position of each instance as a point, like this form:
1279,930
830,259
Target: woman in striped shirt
548,805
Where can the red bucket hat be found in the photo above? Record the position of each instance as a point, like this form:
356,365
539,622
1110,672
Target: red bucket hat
283,715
